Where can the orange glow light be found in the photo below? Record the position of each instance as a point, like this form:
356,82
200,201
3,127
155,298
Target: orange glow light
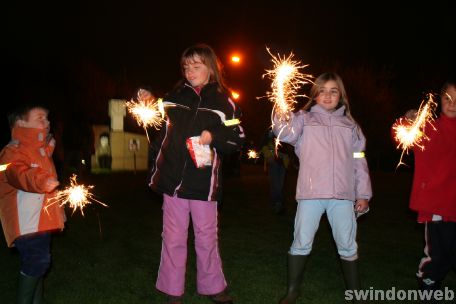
235,95
236,59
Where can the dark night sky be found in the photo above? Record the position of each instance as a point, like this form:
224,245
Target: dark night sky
76,55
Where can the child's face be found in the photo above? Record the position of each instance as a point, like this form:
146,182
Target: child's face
37,118
449,102
328,95
196,72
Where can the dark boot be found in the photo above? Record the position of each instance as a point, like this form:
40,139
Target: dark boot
429,286
350,271
222,298
351,277
174,299
26,289
296,265
38,297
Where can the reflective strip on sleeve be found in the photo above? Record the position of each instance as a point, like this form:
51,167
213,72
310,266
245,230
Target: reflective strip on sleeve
358,154
231,122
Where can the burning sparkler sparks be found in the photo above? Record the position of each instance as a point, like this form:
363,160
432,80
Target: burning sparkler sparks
410,132
147,111
3,167
286,80
76,196
252,154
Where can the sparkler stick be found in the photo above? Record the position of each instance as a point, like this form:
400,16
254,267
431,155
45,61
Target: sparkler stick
76,196
286,80
409,133
147,111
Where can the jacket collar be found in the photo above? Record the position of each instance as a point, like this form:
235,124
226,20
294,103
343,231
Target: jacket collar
319,109
208,87
30,137
447,120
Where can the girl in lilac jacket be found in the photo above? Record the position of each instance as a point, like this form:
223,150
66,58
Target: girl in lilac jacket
333,177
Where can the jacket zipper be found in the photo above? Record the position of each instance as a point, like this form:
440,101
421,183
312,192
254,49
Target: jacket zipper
185,162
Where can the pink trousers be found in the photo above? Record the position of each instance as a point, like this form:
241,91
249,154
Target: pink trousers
176,219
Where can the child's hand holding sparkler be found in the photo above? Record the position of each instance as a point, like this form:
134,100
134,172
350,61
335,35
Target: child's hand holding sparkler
51,184
411,114
145,95
76,196
147,111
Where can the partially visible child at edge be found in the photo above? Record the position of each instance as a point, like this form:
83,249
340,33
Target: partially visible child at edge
433,194
26,184
276,165
333,178
200,105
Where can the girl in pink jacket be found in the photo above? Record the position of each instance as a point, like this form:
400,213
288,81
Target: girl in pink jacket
333,177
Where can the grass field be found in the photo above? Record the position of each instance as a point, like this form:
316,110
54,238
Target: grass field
111,255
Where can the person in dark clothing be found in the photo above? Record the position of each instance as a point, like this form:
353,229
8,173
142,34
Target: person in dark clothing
202,125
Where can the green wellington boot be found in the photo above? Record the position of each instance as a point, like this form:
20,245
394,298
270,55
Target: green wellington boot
351,277
296,265
38,297
26,289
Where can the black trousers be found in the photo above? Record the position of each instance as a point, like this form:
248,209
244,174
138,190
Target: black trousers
440,251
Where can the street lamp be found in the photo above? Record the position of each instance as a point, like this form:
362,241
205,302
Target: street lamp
235,59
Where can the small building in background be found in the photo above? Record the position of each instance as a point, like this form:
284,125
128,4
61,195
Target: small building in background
116,149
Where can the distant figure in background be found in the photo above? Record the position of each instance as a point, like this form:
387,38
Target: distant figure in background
26,184
103,152
333,177
434,191
276,165
202,126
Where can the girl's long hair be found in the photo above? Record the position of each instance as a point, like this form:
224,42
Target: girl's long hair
319,82
208,58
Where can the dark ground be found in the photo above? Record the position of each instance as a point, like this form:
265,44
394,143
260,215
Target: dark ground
111,255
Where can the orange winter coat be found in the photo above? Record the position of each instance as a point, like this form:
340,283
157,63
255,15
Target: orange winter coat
22,184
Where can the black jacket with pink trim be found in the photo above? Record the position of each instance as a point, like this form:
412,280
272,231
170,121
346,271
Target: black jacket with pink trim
188,113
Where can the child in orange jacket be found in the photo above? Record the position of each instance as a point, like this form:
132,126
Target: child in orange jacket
27,180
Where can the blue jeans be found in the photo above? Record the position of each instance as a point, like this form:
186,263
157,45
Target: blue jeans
35,252
341,217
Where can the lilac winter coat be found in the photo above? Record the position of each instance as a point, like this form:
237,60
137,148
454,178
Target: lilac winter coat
328,145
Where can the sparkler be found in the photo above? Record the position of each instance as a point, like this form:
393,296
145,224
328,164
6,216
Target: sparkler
4,166
252,154
410,132
286,80
147,111
76,196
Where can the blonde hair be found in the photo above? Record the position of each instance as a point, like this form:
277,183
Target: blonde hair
319,82
208,58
